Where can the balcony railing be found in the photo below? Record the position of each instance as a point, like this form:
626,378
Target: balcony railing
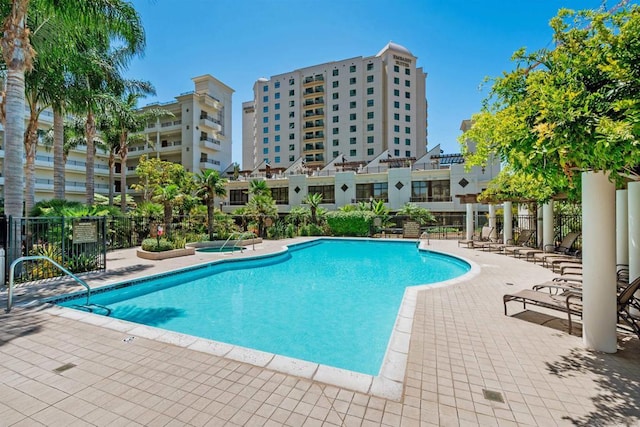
209,139
427,199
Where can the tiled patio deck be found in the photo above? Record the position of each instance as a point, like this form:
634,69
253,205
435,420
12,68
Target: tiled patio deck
462,346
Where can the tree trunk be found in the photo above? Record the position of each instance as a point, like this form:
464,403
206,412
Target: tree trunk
112,163
210,217
124,151
30,148
90,132
58,155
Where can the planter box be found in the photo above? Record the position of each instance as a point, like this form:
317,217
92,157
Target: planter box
173,253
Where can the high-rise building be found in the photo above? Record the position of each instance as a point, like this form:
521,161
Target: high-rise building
357,108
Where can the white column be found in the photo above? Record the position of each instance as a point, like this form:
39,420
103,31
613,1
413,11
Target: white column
622,227
633,189
492,221
599,262
507,230
547,224
469,221
539,225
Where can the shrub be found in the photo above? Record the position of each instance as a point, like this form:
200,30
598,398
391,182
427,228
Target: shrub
354,223
311,230
151,245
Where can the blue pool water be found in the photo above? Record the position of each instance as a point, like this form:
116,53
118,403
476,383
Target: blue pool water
332,302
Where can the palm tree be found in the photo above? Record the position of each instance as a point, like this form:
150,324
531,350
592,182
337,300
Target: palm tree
313,200
209,185
261,207
258,187
113,17
167,197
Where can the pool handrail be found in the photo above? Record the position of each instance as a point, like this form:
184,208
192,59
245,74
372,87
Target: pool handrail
237,234
12,268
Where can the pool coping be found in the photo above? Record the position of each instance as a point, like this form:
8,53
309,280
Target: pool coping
388,384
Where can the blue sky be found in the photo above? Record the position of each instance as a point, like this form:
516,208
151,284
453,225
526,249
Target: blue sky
457,42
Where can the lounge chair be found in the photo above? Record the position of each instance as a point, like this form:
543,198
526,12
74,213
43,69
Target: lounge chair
568,299
485,235
561,251
488,245
521,240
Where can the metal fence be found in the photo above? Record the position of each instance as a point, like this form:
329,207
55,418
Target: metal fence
78,244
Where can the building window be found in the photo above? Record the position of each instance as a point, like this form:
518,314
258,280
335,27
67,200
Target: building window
280,195
265,130
238,197
327,192
277,148
431,191
292,82
396,92
396,140
335,107
292,147
396,80
292,92
277,138
353,140
407,129
352,81
292,136
292,114
369,91
369,151
396,116
396,104
396,153
369,67
277,106
407,95
352,104
265,98
370,79
370,139
265,109
336,142
292,158
335,131
369,102
292,103
352,128
407,118
335,72
277,95
335,84
276,85
352,92
265,119
277,160
352,68
370,115
407,71
265,150
369,127
396,128
352,153
396,68
335,154
407,141
407,107
265,140
276,117
292,125
335,119
335,95
265,88
407,153
352,116
407,83
377,190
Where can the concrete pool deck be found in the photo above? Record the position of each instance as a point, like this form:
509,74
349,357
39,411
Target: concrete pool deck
464,356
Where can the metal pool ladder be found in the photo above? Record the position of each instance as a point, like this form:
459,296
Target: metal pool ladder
61,268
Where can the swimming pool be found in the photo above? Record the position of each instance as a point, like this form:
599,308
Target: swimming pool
332,302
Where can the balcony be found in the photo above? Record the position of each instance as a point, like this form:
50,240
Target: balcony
313,124
210,101
318,112
209,163
310,80
313,135
211,123
428,199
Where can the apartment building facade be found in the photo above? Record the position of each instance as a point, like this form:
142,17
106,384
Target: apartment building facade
198,135
357,108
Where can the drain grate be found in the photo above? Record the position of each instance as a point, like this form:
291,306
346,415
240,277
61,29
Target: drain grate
64,367
494,396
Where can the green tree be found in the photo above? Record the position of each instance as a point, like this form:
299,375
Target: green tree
259,208
416,213
210,184
571,108
313,200
167,197
259,187
153,173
